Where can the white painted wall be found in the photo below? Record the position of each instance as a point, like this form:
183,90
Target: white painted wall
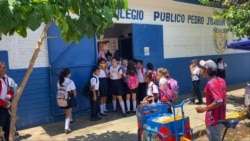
181,39
20,50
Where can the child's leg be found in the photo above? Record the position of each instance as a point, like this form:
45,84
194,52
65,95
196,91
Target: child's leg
128,102
114,102
121,103
134,101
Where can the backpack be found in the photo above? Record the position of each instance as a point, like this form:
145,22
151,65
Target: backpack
172,88
170,91
154,74
87,87
62,97
132,81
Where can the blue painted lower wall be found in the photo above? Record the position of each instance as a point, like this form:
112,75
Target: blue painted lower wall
35,105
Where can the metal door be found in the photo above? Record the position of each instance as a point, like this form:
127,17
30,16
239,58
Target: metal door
151,37
79,58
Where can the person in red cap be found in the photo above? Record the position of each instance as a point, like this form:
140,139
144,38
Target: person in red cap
215,92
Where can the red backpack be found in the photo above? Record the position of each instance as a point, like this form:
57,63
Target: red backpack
132,81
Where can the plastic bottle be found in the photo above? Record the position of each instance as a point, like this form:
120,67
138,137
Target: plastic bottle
247,95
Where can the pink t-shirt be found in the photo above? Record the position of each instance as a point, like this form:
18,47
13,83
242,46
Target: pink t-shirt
101,54
215,90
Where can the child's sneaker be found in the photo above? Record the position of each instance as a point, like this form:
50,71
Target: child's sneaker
67,131
16,135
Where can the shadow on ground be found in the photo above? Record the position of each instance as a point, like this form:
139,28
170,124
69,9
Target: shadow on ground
108,136
80,123
235,100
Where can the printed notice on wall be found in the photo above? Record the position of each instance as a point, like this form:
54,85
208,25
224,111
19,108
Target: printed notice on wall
146,51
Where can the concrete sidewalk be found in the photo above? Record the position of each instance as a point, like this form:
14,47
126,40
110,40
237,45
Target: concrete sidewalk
114,127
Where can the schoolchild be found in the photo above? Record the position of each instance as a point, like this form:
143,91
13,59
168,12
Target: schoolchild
161,76
65,81
94,96
152,89
131,73
221,68
116,84
141,71
150,68
109,57
103,86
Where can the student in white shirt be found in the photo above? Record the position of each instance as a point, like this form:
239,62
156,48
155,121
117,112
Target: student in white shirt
116,85
94,96
221,68
152,94
65,81
195,73
103,86
141,71
162,77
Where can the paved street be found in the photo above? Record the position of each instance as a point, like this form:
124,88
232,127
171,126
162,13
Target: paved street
114,127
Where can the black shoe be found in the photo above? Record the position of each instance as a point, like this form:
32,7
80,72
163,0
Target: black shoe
124,114
72,120
17,135
107,111
199,103
128,112
134,112
67,131
96,119
103,114
113,111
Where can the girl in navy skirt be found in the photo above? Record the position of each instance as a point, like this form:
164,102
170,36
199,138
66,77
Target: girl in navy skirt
65,81
116,84
131,71
103,86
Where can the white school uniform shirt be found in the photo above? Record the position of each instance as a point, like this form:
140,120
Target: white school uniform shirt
68,83
95,82
118,68
141,75
3,92
196,71
152,89
162,81
222,65
102,74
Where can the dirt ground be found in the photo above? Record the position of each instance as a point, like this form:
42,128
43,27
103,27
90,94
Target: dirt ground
242,131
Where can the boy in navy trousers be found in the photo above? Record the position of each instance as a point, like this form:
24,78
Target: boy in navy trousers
94,96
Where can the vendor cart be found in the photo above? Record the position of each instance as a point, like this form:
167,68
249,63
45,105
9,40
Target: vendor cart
156,124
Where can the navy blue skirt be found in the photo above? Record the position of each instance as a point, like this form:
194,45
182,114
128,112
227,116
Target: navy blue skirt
103,87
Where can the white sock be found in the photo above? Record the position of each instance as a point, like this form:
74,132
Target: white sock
101,109
134,105
67,122
114,105
128,104
122,106
104,107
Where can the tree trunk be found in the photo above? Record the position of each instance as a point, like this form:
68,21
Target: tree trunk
24,81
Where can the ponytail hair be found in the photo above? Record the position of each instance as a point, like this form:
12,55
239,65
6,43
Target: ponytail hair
62,75
164,72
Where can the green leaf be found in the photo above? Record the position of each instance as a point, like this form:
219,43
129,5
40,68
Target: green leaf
34,20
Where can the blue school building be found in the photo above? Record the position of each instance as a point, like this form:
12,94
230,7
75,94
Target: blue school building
168,34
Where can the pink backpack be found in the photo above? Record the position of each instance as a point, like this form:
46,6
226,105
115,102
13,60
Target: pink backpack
132,81
170,91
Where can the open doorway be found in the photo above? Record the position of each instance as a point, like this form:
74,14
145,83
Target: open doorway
119,39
